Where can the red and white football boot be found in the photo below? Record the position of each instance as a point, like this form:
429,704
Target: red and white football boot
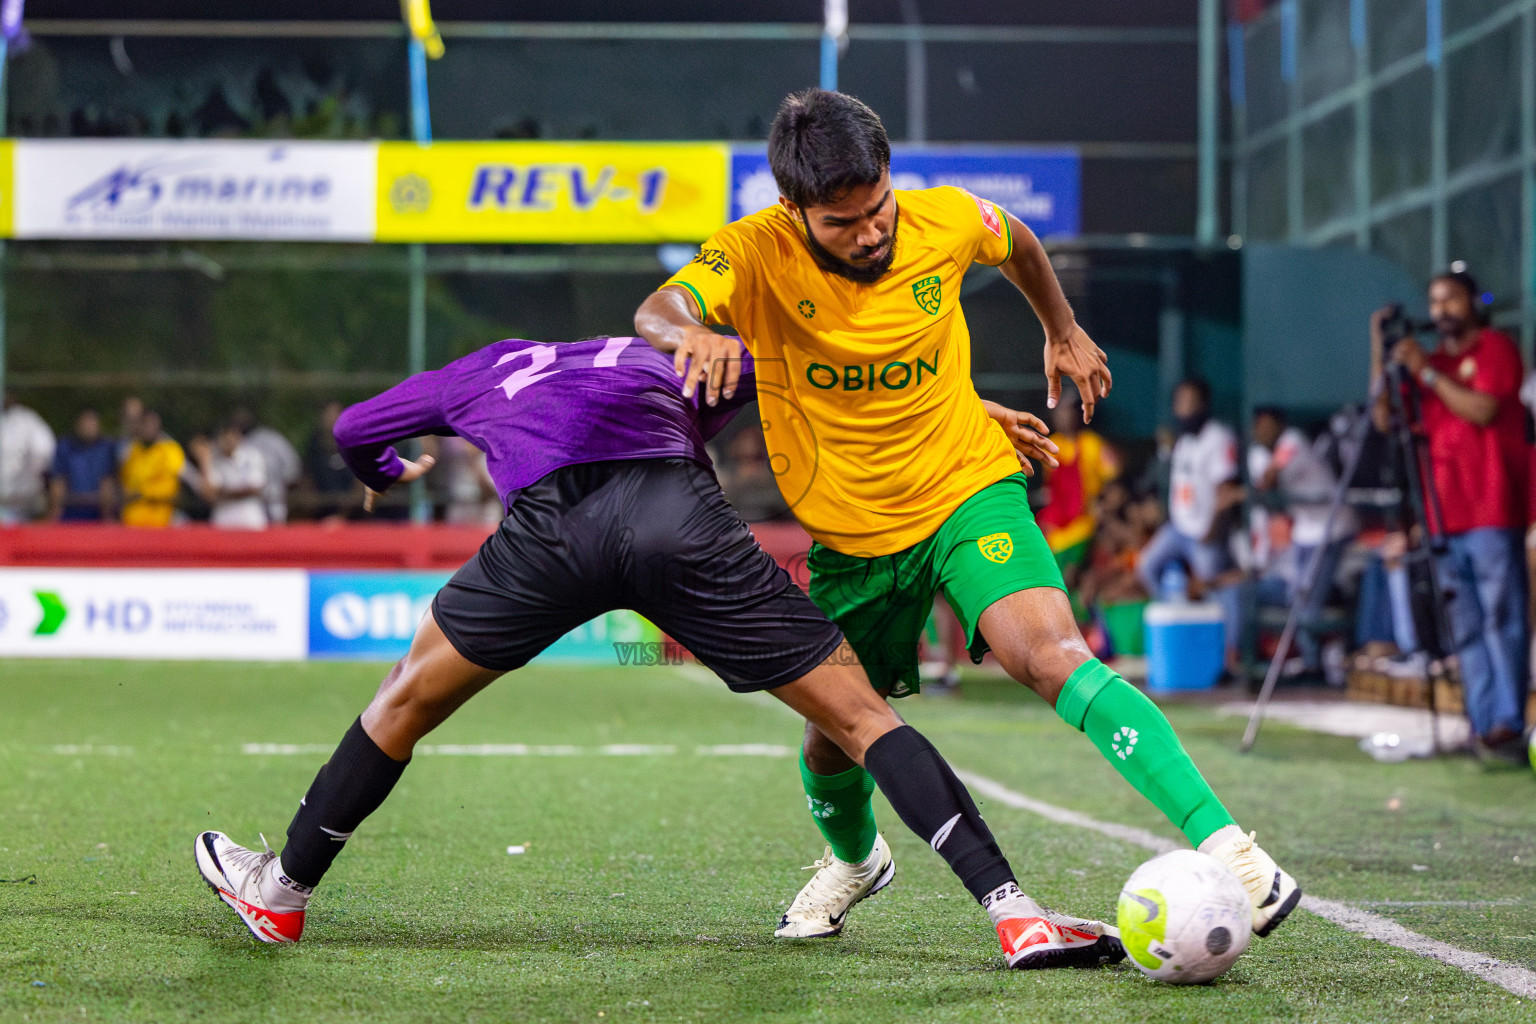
1056,940
235,874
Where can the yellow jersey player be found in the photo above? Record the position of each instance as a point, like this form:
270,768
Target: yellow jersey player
847,293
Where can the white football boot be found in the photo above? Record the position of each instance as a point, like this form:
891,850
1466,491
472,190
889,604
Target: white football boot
1273,892
236,874
822,907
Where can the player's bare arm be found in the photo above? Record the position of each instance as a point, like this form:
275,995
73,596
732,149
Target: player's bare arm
1069,352
1027,434
670,322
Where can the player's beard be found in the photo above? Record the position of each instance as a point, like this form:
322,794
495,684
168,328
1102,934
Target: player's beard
861,273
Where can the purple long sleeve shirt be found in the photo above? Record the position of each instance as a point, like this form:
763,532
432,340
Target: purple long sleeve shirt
535,407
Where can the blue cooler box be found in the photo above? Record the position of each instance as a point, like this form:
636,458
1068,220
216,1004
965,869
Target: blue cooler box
1184,645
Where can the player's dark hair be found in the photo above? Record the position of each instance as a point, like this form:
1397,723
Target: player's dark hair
824,143
1200,386
1467,283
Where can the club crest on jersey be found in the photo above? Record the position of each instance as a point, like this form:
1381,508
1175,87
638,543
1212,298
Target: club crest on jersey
928,294
996,547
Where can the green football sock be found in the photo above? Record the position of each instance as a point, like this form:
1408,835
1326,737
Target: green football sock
1132,733
840,804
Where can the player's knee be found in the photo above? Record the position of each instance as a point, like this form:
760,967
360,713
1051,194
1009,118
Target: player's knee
1044,668
404,703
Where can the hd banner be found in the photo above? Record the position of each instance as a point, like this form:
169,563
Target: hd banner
572,192
320,191
218,614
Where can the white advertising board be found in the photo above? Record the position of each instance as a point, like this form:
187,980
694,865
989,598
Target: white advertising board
224,614
320,191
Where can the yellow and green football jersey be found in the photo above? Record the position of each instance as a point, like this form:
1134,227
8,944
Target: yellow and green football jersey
874,430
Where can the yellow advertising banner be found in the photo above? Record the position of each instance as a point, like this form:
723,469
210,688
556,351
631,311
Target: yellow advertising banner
552,191
7,189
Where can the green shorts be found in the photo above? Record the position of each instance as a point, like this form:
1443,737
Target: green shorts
988,548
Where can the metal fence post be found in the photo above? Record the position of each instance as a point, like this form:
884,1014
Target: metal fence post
416,262
1210,50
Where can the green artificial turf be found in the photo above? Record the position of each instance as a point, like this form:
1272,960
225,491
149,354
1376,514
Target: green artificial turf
652,882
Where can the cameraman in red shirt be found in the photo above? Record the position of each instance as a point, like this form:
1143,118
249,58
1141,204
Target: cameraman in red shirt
1472,417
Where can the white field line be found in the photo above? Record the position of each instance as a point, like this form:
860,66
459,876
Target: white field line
522,750
1125,833
1507,976
79,749
1439,903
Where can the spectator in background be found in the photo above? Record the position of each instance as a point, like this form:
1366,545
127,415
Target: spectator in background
1469,392
1109,575
128,418
82,485
332,486
746,475
1203,494
283,468
232,478
1283,464
1085,464
468,491
26,452
150,474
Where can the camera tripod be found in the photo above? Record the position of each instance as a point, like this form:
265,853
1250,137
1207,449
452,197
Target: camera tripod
1418,505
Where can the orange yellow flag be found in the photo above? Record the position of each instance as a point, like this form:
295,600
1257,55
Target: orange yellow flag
418,18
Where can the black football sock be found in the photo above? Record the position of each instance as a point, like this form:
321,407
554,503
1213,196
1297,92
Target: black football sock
926,795
348,788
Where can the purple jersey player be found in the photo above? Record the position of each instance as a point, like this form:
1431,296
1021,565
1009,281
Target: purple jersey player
534,408
611,503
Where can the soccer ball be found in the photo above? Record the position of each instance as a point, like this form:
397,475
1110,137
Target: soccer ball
1184,918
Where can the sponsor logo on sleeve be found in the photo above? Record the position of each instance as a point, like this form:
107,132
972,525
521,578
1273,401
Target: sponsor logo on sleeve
715,260
989,216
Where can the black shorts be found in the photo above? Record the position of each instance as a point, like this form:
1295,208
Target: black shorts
653,535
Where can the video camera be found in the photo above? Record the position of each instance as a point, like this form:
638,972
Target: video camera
1400,325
